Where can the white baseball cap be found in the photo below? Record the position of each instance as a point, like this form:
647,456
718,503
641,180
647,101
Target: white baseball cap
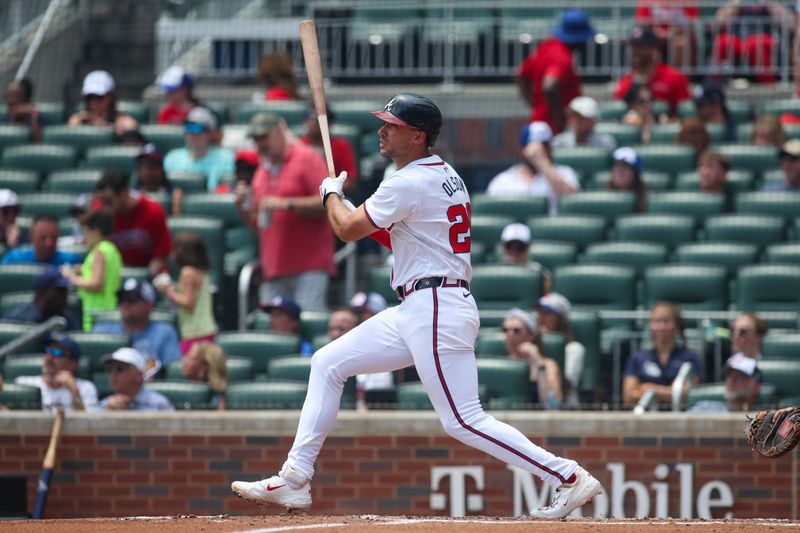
8,198
628,155
585,106
174,78
128,356
555,303
516,232
524,317
200,116
535,132
98,82
372,302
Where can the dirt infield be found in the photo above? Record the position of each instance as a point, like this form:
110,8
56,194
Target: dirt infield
369,523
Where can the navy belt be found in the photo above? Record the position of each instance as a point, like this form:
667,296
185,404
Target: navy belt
427,283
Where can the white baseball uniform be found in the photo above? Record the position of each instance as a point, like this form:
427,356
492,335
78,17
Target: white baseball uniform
426,208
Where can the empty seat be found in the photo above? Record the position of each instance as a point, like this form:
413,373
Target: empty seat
269,395
492,318
639,255
211,230
16,277
581,230
72,181
698,205
783,253
586,327
491,342
670,230
21,365
606,204
486,229
671,158
183,394
611,110
313,323
19,180
165,136
13,135
13,330
736,181
292,111
56,205
520,208
259,347
412,395
96,345
693,287
778,204
219,206
756,159
730,255
51,112
552,254
506,286
624,134
359,112
768,288
121,158
760,230
506,382
785,375
79,137
597,287
18,397
781,346
780,106
292,368
135,108
582,159
188,182
43,158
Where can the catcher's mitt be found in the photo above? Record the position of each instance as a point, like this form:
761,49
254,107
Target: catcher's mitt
774,433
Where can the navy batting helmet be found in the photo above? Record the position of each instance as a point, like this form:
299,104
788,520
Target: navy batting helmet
413,111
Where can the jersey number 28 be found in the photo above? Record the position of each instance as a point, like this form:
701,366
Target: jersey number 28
459,215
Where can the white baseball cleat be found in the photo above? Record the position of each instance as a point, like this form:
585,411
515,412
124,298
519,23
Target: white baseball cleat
274,491
567,498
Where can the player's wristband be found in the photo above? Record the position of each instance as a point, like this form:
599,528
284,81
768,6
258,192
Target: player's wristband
325,199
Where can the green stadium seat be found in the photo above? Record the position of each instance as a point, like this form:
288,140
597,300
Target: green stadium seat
19,397
492,318
779,106
379,278
611,110
51,112
775,175
211,230
606,204
121,158
730,255
359,112
520,208
785,375
100,380
698,205
624,134
655,181
166,137
756,159
787,253
219,108
491,342
736,181
667,133
188,182
693,287
72,181
239,369
715,392
768,288
43,158
313,323
638,255
381,25
781,346
552,254
259,347
351,132
486,229
183,394
582,159
597,287
269,395
79,137
369,144
769,203
19,180
14,135
292,111
580,230
96,345
671,158
586,327
56,205
21,365
16,277
413,396
760,230
215,205
292,368
739,111
670,230
134,108
10,330
506,382
553,344
506,286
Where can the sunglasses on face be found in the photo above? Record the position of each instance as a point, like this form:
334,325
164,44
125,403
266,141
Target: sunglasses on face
515,246
515,331
55,351
193,127
117,368
742,332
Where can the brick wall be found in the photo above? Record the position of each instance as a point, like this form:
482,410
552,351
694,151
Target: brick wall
132,465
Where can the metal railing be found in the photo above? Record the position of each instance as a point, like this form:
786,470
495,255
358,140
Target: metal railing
50,325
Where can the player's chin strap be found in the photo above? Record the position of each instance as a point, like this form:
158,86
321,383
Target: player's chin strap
381,236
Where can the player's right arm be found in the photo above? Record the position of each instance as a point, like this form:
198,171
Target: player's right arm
347,225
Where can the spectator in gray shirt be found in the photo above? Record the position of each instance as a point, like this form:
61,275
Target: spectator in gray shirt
581,119
126,369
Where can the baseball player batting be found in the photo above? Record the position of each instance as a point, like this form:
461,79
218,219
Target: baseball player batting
426,208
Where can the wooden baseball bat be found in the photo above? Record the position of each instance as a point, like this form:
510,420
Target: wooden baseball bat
48,465
308,39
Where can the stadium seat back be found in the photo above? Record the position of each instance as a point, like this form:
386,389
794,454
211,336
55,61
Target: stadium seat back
183,394
580,230
72,181
18,397
42,158
692,287
781,346
506,286
269,395
591,286
79,137
606,204
520,208
96,345
730,255
697,205
761,230
259,347
768,288
639,255
670,230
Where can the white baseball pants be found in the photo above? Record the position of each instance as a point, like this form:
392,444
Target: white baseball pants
435,330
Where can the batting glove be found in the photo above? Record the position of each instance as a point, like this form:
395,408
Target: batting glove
332,186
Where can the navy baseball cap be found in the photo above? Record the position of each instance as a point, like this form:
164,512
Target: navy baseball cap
49,278
56,344
136,289
708,93
285,303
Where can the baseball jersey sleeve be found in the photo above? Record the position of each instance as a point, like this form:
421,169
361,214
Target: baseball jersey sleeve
394,200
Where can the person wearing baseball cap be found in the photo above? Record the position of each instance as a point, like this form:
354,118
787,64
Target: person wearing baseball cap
626,175
667,83
743,380
284,317
177,85
582,116
152,179
548,75
536,175
58,383
709,102
126,369
515,241
790,166
200,154
100,105
10,233
49,300
368,304
553,317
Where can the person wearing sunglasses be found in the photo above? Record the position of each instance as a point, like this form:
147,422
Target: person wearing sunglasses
747,335
126,376
58,382
100,105
10,233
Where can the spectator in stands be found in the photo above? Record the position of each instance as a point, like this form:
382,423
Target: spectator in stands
58,382
712,168
674,26
367,304
277,71
200,154
79,208
192,292
523,342
100,105
747,335
11,234
49,300
516,244
341,321
177,84
207,362
626,175
547,78
768,131
99,278
284,317
20,108
127,368
140,226
743,381
158,341
132,138
694,133
151,178
44,246
554,310
285,211
344,157
746,30
667,83
246,165
655,369
641,112
536,175
709,102
581,120
790,165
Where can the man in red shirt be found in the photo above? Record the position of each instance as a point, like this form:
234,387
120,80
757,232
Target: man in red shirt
140,226
666,83
344,158
547,79
295,240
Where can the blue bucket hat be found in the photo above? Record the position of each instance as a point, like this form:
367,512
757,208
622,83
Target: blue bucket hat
574,27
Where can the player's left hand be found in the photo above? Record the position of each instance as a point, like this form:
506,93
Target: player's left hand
332,186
